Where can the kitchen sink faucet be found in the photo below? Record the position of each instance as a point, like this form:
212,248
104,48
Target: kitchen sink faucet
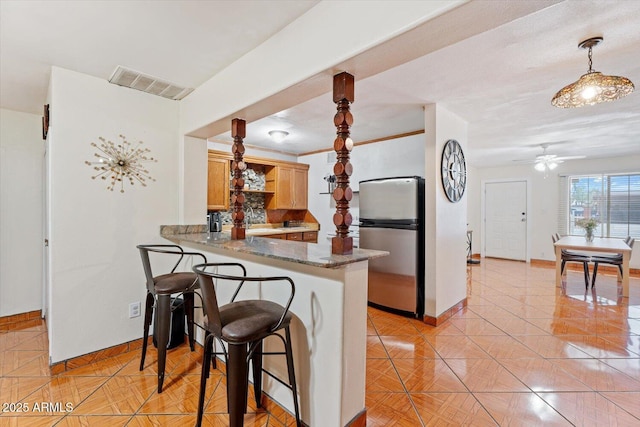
248,219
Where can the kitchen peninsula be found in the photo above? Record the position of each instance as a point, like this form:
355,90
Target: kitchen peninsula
330,316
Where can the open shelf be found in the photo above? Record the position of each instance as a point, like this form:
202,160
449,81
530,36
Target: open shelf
255,191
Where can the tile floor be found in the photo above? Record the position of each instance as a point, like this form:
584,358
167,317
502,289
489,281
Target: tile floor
522,353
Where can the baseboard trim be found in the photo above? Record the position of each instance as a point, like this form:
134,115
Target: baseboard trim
435,321
360,420
20,317
96,356
544,263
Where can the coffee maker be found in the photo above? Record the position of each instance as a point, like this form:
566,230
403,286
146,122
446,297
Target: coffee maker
214,221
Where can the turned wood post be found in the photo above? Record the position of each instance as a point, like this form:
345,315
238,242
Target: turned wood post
343,91
238,132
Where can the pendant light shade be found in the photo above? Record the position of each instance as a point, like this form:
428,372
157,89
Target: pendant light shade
592,87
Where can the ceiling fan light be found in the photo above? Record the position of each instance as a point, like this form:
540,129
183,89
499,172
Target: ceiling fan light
540,167
593,87
552,165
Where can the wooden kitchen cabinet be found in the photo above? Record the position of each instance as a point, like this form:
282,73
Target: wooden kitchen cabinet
277,236
298,236
291,188
218,183
310,236
300,188
286,183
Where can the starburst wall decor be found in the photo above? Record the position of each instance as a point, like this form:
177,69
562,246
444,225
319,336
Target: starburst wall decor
121,162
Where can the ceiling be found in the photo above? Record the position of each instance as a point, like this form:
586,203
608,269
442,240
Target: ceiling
500,81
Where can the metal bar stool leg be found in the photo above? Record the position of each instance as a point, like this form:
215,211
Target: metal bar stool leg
164,318
237,371
292,375
208,349
148,315
212,360
188,306
256,361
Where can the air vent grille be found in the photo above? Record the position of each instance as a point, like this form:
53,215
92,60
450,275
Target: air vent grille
145,83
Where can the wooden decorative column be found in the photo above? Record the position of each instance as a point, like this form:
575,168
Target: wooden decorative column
343,91
238,132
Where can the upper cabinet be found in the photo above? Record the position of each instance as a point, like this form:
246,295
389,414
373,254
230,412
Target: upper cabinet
291,187
300,188
218,183
285,183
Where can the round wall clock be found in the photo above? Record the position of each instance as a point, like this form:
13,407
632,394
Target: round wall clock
454,171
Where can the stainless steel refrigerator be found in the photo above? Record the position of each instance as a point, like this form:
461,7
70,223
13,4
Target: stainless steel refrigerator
392,219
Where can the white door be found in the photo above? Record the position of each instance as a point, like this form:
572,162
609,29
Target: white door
505,205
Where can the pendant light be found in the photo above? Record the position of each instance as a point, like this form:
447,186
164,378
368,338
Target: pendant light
593,87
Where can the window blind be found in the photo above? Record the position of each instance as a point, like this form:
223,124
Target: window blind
613,200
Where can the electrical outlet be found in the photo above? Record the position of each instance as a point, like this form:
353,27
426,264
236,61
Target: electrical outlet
134,309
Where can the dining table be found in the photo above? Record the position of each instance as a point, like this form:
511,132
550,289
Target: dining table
600,245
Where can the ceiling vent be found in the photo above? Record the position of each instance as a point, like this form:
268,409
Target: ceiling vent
145,83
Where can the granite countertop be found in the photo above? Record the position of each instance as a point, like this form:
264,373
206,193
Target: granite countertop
318,255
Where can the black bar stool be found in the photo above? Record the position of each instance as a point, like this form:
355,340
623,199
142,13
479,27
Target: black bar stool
243,325
161,288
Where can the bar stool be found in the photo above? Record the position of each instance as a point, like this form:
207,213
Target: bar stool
161,288
243,325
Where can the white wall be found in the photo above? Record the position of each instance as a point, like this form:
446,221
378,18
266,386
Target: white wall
193,181
445,247
21,205
544,213
95,267
396,157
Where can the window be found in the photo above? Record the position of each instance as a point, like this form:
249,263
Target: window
613,200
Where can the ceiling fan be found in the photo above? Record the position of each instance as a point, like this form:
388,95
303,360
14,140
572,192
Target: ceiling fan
546,162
